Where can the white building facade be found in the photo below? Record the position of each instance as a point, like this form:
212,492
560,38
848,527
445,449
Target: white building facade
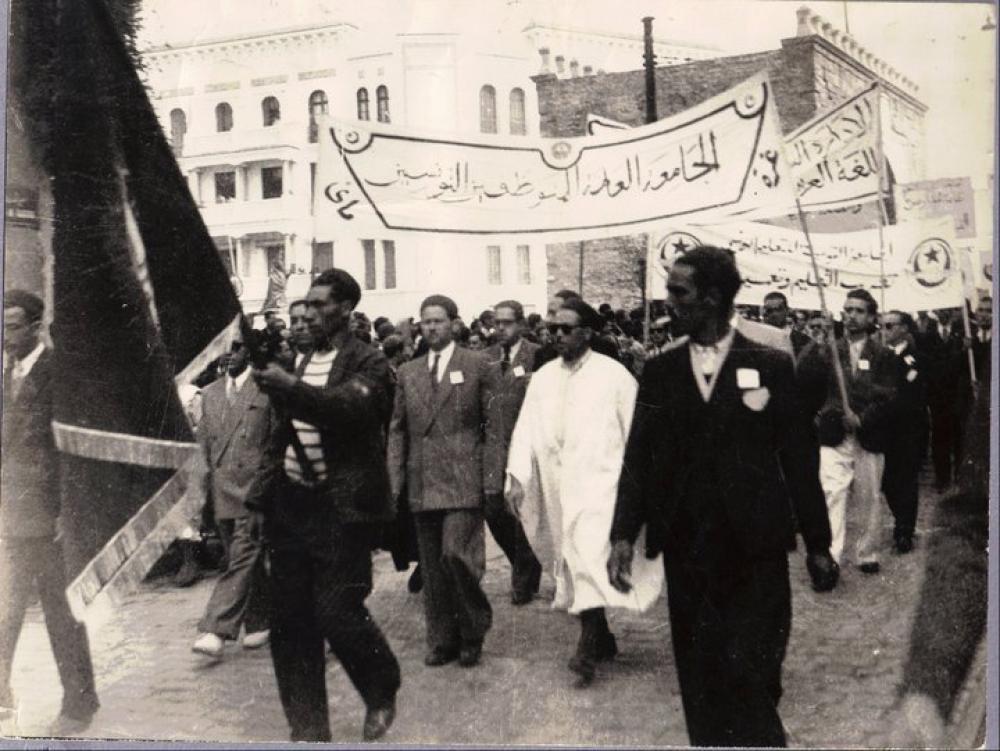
240,112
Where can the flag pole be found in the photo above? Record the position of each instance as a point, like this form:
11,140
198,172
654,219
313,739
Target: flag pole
837,369
968,335
883,217
649,65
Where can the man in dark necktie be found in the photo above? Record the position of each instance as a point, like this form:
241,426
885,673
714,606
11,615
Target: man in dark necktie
233,433
718,454
445,449
516,357
31,554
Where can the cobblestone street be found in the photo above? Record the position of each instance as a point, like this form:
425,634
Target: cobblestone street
843,664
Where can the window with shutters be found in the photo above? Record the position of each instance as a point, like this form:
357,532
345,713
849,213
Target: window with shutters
524,264
368,246
271,182
270,111
382,104
389,263
494,273
363,104
223,117
488,109
518,123
178,127
318,105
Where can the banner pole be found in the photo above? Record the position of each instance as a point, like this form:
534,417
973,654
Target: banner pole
883,217
968,335
837,369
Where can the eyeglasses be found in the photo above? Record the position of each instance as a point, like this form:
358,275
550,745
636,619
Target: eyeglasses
565,328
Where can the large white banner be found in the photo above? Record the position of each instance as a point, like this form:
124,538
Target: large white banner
920,265
834,158
949,196
723,157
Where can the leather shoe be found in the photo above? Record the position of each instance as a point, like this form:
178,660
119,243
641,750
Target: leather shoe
469,654
437,657
416,581
904,544
524,595
871,567
584,668
378,720
607,647
66,725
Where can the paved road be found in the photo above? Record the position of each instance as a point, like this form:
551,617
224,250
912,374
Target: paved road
843,663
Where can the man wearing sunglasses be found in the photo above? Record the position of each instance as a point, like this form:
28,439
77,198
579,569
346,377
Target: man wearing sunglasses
233,432
565,456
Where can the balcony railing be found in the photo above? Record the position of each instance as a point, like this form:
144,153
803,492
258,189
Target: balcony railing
289,134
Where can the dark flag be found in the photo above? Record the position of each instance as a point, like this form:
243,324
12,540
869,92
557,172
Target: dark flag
142,302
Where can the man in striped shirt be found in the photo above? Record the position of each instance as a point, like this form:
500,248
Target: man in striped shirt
323,491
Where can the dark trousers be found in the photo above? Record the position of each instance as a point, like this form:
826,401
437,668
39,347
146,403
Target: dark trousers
730,627
453,560
900,482
946,442
242,594
25,564
508,531
321,573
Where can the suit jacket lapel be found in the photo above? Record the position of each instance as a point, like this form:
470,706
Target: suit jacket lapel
444,389
233,414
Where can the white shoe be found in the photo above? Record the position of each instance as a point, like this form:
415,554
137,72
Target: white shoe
256,640
208,644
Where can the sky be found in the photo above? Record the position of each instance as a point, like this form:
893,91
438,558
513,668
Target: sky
939,45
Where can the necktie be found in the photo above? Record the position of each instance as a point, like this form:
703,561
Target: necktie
16,379
505,362
231,391
434,369
708,356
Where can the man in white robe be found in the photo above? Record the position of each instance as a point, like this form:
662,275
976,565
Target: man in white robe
565,460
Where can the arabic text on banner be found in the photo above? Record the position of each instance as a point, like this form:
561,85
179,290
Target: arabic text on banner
722,156
950,196
920,263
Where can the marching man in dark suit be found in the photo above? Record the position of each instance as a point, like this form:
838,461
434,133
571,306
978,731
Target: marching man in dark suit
516,357
324,493
718,454
31,554
904,452
445,448
853,437
233,432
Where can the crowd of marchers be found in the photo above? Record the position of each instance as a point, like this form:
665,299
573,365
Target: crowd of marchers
690,450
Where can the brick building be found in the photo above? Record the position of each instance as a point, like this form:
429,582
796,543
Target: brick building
812,72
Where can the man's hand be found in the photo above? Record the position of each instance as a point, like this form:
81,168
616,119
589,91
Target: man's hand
823,571
915,722
514,494
274,379
851,421
255,526
620,566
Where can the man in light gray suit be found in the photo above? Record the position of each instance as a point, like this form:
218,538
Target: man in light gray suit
233,432
445,448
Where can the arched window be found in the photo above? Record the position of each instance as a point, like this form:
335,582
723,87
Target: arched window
223,117
382,104
178,127
518,125
318,105
488,109
270,111
363,104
